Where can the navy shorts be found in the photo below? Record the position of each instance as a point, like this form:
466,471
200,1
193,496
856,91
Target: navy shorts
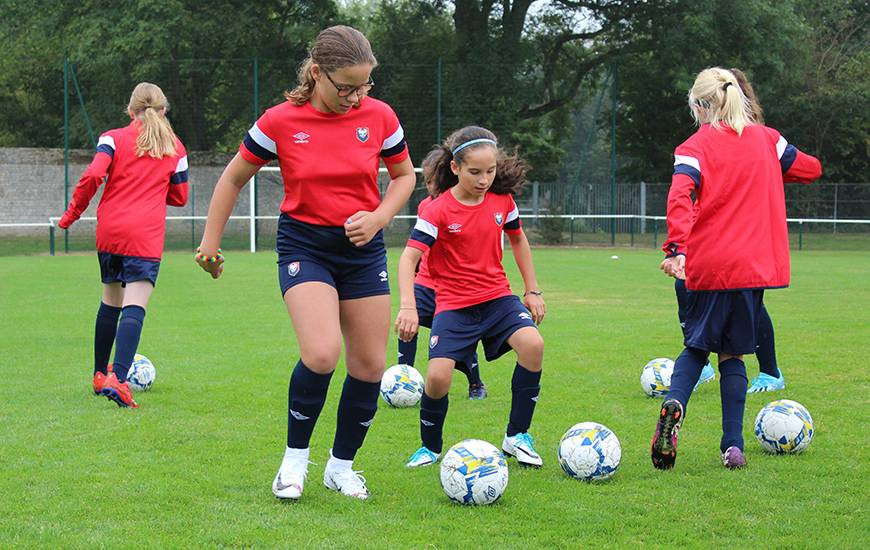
425,298
455,332
308,252
115,268
723,321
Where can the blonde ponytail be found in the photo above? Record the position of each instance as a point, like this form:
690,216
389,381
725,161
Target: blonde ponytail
716,98
148,106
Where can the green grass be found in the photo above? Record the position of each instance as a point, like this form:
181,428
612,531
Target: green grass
193,466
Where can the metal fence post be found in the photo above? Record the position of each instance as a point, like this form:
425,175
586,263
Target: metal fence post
65,147
51,240
801,235
438,72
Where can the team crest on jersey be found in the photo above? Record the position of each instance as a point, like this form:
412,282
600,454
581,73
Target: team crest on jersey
293,269
455,227
362,134
301,137
498,218
433,341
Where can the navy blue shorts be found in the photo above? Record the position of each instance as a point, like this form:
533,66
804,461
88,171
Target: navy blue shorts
455,333
425,298
308,252
115,268
723,321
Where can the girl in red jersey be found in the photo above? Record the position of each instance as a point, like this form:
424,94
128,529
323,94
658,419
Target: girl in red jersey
424,292
329,138
729,246
462,231
770,377
145,167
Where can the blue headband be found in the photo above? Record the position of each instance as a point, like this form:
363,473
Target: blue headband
474,142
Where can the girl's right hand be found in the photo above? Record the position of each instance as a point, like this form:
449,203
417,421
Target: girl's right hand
407,324
211,263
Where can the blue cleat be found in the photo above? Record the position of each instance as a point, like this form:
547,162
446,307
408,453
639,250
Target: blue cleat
423,457
707,375
766,382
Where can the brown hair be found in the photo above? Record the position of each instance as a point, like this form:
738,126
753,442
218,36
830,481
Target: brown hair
754,104
148,106
334,48
510,172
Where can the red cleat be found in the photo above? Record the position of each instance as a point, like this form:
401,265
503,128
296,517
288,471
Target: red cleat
118,392
99,380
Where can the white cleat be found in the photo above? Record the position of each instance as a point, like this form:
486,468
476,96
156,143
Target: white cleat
346,481
422,457
522,446
290,478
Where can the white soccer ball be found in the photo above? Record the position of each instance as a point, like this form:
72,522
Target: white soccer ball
590,452
474,472
784,426
141,374
402,386
656,377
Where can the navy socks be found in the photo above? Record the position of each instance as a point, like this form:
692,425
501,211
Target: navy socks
525,387
408,352
766,350
306,396
732,388
356,411
432,415
127,339
687,371
104,335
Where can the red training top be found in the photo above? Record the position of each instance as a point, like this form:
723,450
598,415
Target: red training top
423,277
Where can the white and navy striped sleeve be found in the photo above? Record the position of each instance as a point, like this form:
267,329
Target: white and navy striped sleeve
512,222
786,153
394,149
258,147
423,235
688,166
180,175
106,144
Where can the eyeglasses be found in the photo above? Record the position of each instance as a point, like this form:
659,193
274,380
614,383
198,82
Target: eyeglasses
345,90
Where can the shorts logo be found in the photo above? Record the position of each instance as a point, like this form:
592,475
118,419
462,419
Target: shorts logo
455,227
367,423
362,134
525,315
433,341
299,415
426,422
498,218
383,276
301,137
293,269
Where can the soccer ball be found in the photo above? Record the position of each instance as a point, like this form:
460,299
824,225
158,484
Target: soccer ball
141,374
590,452
402,386
784,426
474,472
656,377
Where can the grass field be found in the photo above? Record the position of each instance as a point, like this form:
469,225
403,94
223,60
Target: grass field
192,467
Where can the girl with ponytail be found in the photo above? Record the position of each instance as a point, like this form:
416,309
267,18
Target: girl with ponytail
729,246
462,232
144,166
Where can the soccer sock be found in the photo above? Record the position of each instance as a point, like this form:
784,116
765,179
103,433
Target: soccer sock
472,371
127,339
766,350
356,411
525,386
306,396
682,303
687,371
732,388
408,351
104,335
432,415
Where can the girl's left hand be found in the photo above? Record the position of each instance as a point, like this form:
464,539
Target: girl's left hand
536,306
362,227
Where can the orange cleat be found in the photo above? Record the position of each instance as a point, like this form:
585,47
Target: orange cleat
118,392
99,380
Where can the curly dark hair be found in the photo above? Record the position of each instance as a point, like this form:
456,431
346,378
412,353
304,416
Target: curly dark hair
510,172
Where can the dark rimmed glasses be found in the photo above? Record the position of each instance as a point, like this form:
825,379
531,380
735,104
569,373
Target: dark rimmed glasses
345,90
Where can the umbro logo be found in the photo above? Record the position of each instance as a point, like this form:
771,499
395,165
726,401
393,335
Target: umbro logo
455,227
367,423
535,399
426,423
299,415
301,137
524,315
383,276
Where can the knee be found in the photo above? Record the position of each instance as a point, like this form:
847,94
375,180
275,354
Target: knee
438,382
321,361
531,352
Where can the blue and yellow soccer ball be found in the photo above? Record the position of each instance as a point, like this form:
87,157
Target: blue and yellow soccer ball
590,452
402,386
784,427
656,377
474,472
141,374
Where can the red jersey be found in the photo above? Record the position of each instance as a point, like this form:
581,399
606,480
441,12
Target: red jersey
423,277
735,235
329,162
131,216
465,248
